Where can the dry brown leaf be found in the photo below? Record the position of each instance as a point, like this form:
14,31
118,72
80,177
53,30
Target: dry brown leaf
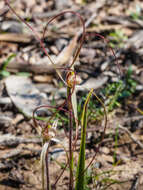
79,1
43,78
13,37
66,54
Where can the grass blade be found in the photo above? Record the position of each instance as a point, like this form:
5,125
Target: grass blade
81,162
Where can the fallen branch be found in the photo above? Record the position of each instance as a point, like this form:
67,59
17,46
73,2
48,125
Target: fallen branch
12,141
132,137
13,37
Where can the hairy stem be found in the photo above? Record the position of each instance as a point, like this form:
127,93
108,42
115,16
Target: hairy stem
47,171
70,138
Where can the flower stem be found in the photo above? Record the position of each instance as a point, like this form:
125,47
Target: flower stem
47,171
70,137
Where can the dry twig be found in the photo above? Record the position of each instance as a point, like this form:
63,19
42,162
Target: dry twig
132,137
11,140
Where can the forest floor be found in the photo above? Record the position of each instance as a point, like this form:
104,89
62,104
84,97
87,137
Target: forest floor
28,79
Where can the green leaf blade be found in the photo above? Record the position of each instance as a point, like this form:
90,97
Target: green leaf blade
80,180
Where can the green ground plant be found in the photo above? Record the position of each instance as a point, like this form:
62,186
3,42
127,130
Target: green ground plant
114,94
3,69
137,14
117,38
5,73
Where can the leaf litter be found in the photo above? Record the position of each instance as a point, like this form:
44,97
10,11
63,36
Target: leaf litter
124,157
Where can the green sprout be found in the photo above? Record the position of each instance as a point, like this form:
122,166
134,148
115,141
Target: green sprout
137,14
117,38
3,69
